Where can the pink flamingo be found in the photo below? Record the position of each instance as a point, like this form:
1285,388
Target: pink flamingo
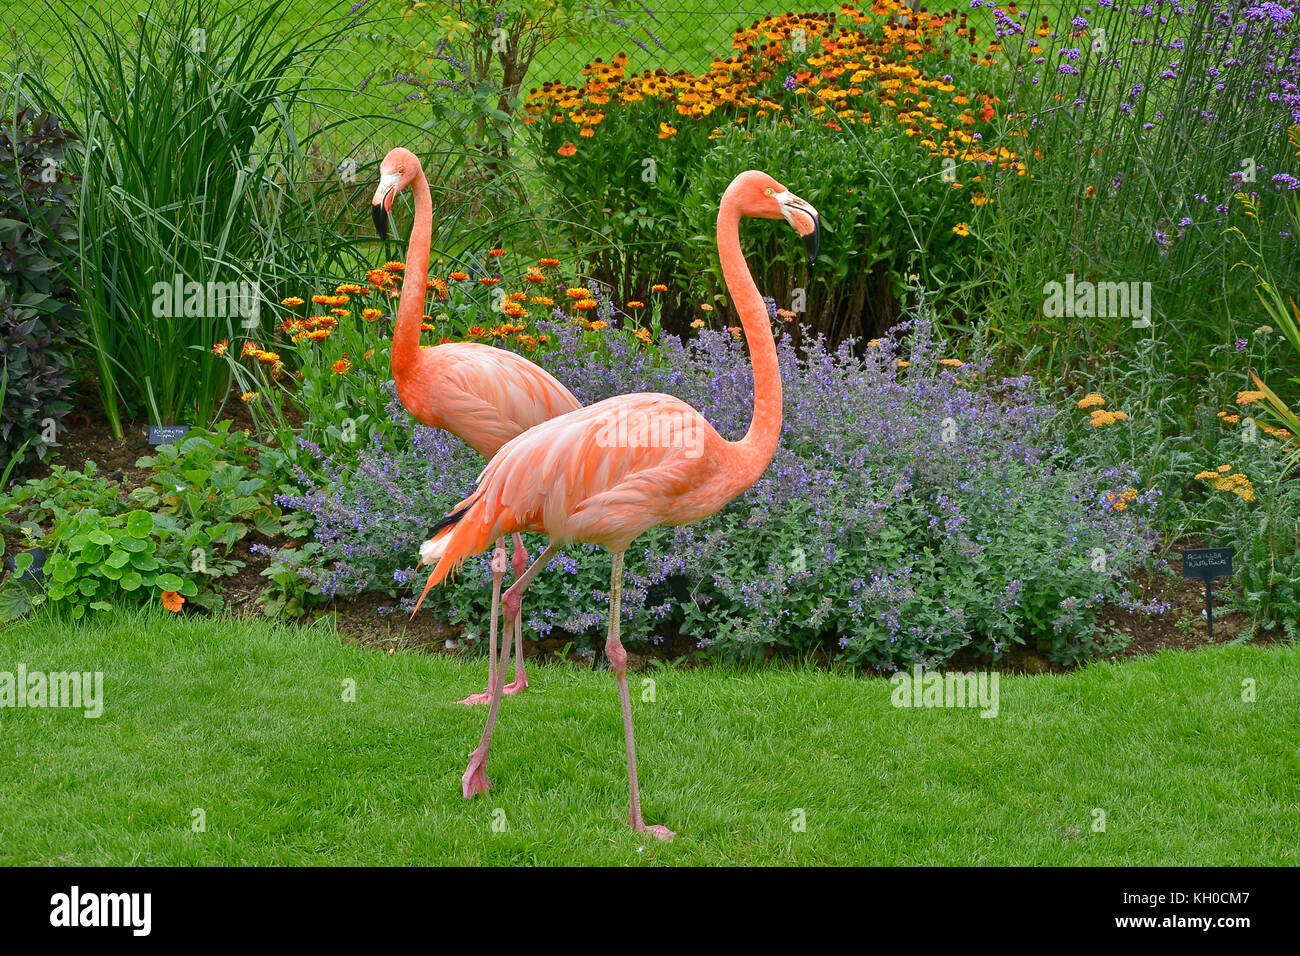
614,469
483,395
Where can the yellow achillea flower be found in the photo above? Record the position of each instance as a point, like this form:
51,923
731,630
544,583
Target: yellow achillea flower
697,324
955,363
1249,397
1236,483
903,363
1101,417
1091,399
1120,502
1230,419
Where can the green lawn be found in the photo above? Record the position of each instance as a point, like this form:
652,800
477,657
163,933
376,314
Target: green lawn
247,722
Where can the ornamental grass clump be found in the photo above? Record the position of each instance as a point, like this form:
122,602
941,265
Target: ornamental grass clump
916,508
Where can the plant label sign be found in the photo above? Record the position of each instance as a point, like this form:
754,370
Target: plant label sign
1208,564
166,434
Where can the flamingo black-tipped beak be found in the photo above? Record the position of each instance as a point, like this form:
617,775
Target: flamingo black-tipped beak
800,214
379,213
813,241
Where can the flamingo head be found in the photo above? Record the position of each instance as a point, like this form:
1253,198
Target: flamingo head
762,197
396,172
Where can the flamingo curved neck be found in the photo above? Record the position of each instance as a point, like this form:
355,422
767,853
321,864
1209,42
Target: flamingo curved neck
410,308
759,444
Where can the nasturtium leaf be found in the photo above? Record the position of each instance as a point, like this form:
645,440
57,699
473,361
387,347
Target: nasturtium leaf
169,582
130,581
139,524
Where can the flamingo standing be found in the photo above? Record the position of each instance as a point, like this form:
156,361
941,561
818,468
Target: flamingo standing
607,472
483,395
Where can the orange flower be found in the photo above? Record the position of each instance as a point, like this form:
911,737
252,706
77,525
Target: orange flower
659,287
394,266
370,315
585,304
458,276
496,253
250,349
220,347
549,262
172,601
292,301
490,280
249,397
341,366
351,288
568,149
634,304
476,332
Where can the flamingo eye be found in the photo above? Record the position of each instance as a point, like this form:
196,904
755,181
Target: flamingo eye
769,191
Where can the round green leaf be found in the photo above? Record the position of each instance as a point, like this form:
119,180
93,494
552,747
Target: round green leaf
169,582
130,581
139,524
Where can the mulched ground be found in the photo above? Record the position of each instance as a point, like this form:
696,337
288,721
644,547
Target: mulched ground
361,620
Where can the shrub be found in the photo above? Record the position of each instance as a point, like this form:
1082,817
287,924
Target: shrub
36,230
916,508
883,104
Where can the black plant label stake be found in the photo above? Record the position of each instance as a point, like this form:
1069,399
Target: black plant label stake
1208,564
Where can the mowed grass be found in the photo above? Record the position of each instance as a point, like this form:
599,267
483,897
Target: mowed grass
247,722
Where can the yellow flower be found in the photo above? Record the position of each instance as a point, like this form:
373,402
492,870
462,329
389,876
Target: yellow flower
597,326
1249,397
1091,399
341,366
249,397
291,301
659,287
960,229
643,335
955,363
370,315
697,324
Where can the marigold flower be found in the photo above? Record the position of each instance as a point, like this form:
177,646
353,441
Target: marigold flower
597,325
659,287
341,366
548,262
634,304
541,300
370,315
585,304
476,332
292,301
496,253
643,335
351,288
490,280
458,276
394,266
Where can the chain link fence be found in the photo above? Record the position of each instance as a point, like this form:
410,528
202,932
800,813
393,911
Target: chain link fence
367,76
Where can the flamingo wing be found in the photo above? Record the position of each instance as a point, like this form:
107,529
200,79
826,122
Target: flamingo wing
487,396
602,474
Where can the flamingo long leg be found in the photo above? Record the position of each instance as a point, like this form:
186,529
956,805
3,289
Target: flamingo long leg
475,780
521,679
498,574
618,662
